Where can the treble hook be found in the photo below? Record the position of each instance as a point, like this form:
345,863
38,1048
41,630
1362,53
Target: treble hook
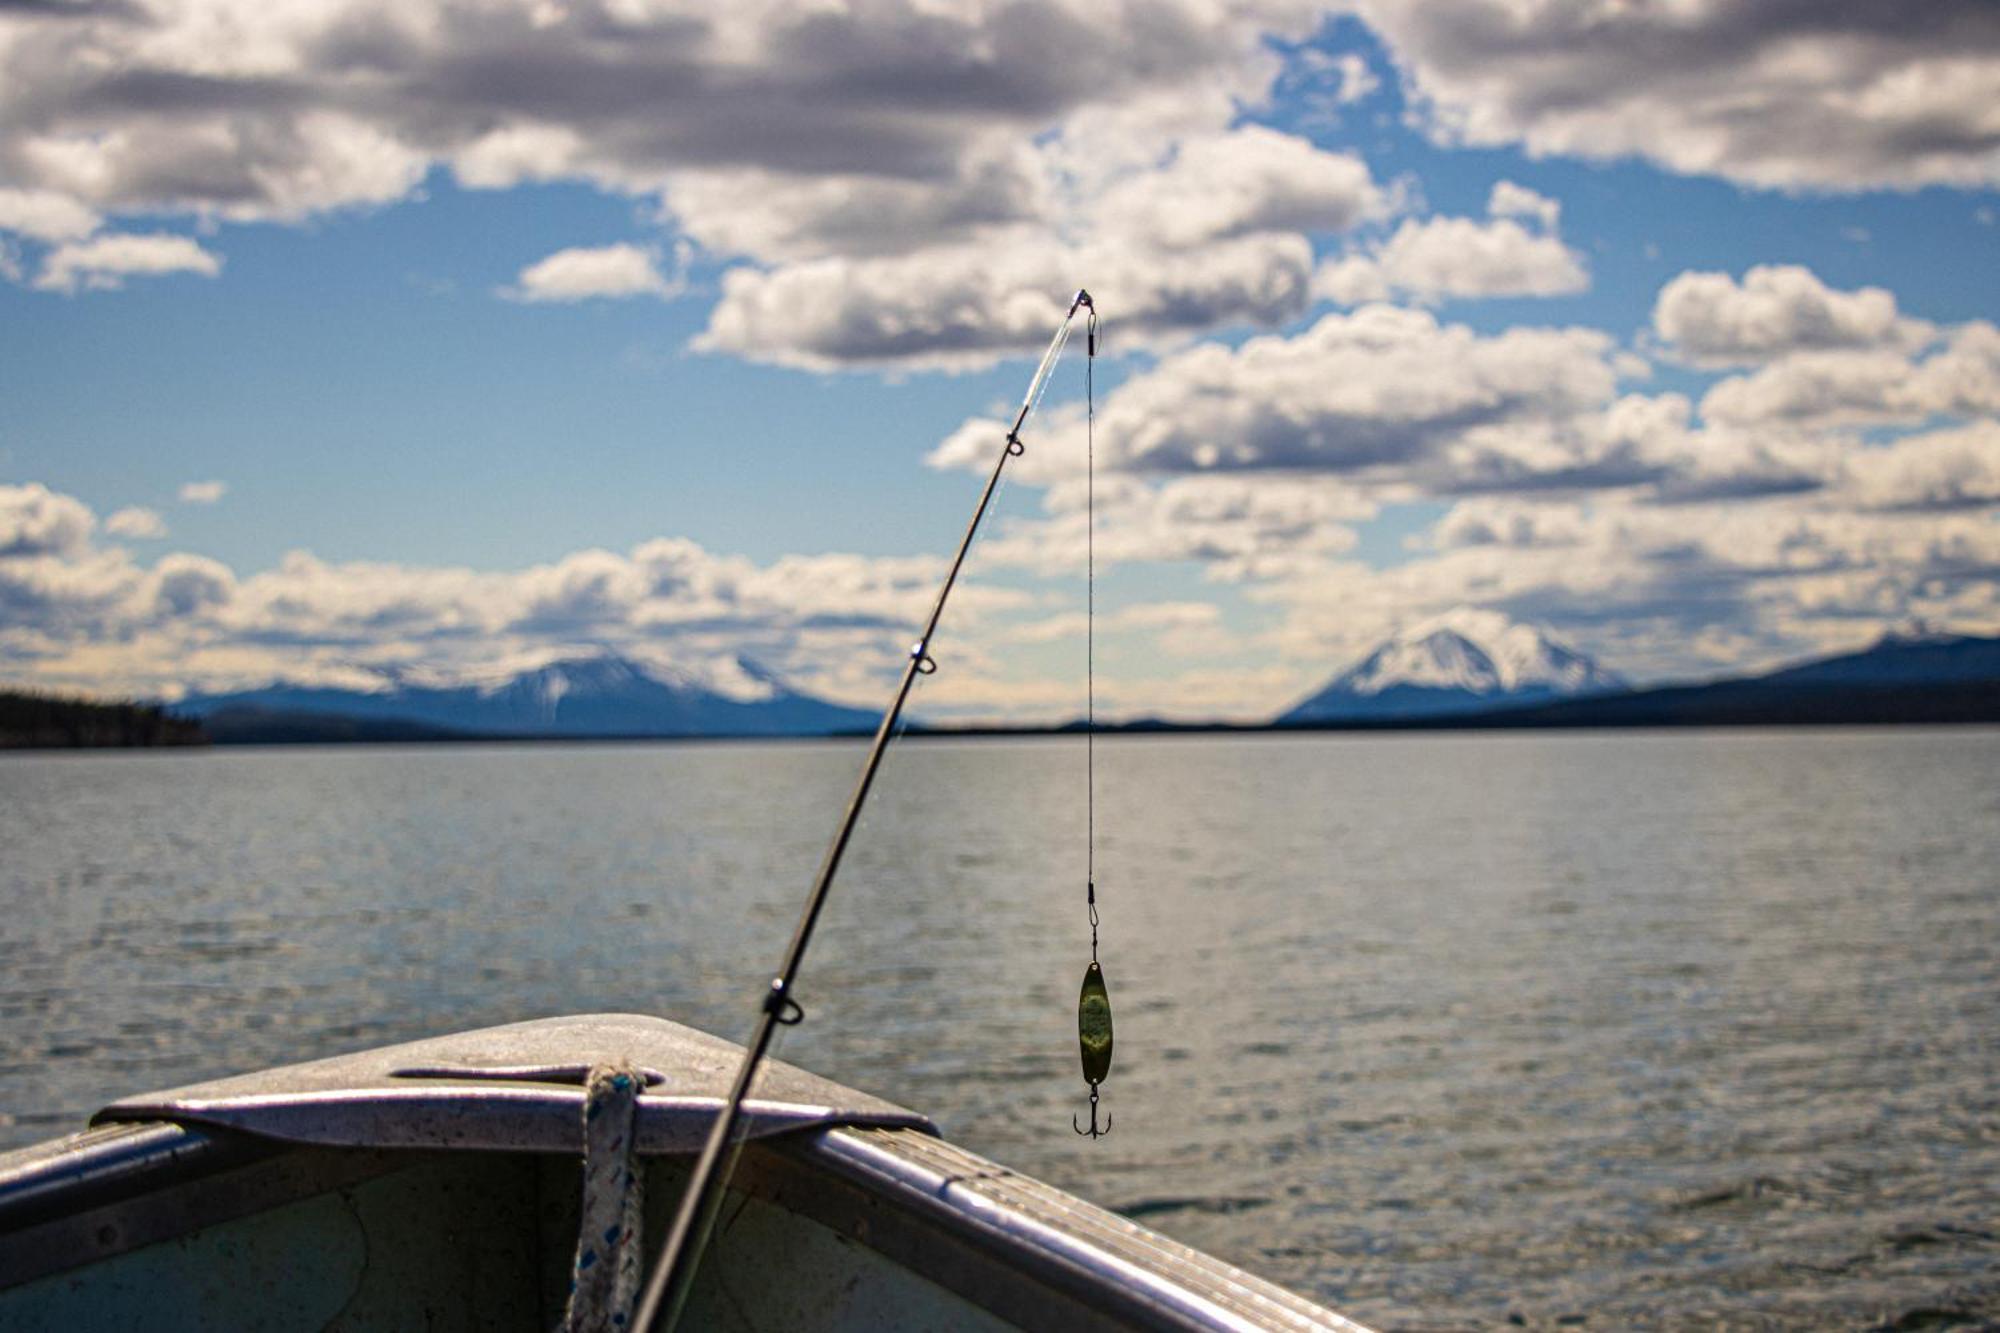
1093,1132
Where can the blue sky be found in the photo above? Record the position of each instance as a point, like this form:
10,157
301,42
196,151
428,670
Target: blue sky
1670,334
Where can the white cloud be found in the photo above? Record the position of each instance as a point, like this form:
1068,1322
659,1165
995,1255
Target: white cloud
887,220
968,306
1323,86
1941,470
763,131
184,586
1212,234
582,274
203,492
517,153
1721,463
1237,527
56,602
580,591
1391,405
1711,319
1352,279
104,262
1441,258
1510,200
1246,181
781,216
1177,629
1258,461
136,523
1745,566
1673,542
75,613
1959,377
1493,522
1800,96
1679,591
251,111
37,521
1357,81
1434,259
45,215
1381,387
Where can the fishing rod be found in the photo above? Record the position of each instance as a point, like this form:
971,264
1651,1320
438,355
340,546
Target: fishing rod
673,1274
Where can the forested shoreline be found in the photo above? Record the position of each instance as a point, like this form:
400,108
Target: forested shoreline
31,721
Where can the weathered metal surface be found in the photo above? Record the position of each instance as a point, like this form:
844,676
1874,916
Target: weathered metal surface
448,1243
512,1088
91,1197
976,1218
774,1265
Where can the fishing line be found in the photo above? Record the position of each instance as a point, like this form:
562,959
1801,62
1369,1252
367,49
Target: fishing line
1093,1003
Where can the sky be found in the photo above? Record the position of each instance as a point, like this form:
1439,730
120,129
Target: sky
342,339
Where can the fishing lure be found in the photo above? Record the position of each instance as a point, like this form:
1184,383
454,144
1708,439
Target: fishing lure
1093,1038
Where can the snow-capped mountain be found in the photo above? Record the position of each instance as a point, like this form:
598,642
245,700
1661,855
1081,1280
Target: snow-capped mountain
1464,660
605,695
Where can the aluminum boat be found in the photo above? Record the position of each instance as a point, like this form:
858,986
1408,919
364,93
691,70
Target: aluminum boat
442,1185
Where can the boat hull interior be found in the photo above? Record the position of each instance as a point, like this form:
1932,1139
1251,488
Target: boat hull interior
201,1212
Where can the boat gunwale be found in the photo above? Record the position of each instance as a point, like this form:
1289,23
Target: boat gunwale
1125,1272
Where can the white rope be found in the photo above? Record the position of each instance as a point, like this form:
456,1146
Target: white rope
604,1278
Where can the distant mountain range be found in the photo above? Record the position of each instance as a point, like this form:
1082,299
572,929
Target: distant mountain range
1465,661
1915,654
606,695
1465,669
1913,675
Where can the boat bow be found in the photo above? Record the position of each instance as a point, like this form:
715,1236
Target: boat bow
516,1088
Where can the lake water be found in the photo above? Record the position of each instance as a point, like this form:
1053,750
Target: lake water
1443,1030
